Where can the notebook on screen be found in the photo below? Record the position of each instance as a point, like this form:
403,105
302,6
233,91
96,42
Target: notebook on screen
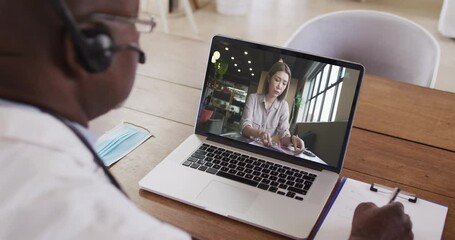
270,137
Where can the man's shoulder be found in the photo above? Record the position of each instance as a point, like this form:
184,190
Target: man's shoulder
43,189
35,131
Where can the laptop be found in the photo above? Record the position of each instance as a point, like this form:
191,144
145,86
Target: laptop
272,186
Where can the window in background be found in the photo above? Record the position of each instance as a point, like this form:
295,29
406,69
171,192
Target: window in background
325,87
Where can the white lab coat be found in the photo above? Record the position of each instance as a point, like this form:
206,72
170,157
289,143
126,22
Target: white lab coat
50,187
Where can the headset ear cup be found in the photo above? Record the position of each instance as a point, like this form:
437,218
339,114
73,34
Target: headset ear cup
93,46
95,54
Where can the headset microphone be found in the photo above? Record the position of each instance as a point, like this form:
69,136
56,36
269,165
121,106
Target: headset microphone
132,47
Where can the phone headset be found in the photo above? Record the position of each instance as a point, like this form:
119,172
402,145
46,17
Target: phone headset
95,46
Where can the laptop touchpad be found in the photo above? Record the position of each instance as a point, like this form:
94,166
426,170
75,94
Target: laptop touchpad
226,198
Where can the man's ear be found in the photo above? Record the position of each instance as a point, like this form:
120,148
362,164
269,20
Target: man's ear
70,57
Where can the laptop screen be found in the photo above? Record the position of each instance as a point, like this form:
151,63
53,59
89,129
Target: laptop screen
281,103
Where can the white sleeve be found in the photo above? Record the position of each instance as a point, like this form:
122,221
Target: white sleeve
47,195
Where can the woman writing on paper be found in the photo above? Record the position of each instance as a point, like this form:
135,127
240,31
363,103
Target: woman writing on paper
267,114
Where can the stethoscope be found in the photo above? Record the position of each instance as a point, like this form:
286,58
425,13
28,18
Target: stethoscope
89,147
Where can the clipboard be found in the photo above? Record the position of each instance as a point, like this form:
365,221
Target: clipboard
428,218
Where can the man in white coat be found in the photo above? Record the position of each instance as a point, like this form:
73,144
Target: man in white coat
62,63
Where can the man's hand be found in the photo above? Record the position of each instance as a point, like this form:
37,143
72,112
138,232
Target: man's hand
387,222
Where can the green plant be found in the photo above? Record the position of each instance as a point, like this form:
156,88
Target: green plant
296,106
298,99
221,68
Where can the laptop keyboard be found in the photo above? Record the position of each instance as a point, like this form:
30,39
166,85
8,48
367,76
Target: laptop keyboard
272,177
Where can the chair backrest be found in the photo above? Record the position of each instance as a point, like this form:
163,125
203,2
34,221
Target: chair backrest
387,45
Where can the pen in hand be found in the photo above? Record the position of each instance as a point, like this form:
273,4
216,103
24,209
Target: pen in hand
394,195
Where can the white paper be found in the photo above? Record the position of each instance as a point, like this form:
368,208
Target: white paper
427,218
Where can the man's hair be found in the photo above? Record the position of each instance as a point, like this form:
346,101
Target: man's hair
277,67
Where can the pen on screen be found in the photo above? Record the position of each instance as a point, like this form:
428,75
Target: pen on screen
394,195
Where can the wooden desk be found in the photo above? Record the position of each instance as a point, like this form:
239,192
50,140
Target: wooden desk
403,136
411,112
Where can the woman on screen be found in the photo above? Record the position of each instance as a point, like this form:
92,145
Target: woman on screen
267,114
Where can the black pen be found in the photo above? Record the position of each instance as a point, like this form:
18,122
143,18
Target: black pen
394,195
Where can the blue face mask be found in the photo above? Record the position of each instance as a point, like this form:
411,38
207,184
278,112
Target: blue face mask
119,141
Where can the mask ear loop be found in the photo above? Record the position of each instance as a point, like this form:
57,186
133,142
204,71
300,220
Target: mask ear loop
138,126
